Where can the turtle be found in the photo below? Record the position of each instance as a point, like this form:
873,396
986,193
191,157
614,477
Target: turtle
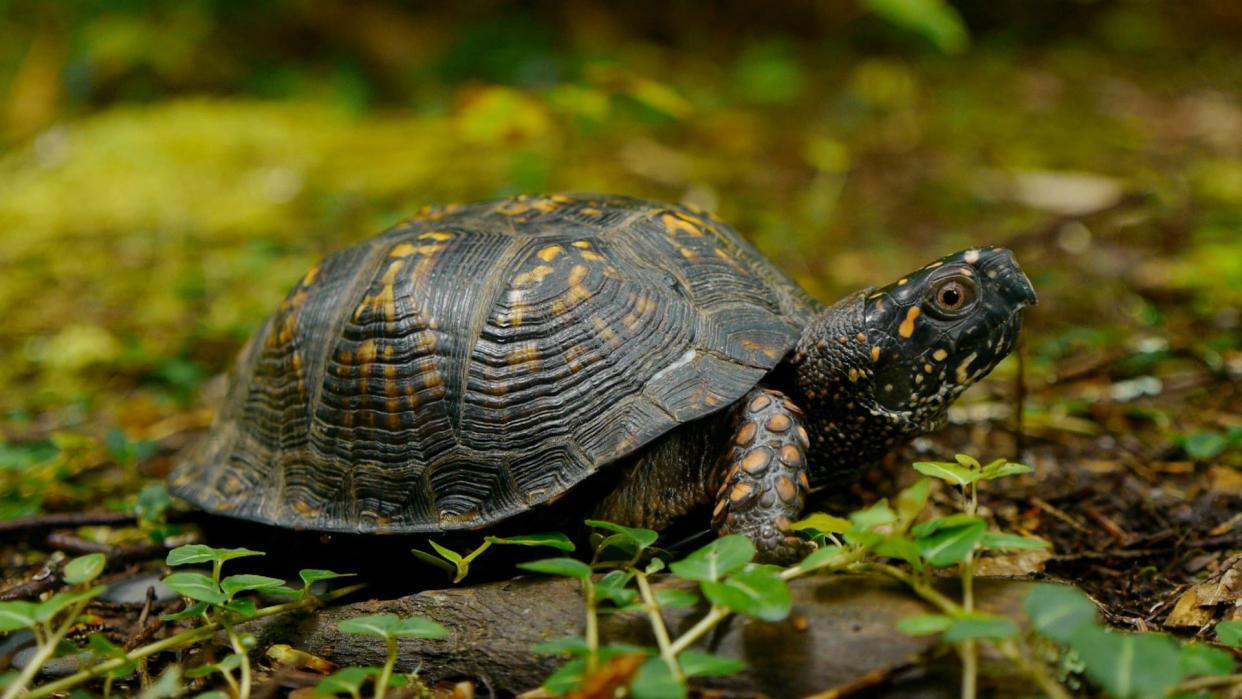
477,361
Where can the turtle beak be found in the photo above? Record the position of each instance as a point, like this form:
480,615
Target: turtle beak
1000,265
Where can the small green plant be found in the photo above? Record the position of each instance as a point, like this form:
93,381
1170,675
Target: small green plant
388,627
458,566
52,619
895,540
218,603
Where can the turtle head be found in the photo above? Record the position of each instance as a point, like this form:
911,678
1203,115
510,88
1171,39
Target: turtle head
883,365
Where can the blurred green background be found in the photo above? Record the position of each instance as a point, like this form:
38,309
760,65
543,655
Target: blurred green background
169,169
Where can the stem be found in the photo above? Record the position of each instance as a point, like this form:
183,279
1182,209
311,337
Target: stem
658,627
381,684
592,626
235,640
970,656
201,633
1199,683
1036,671
46,648
707,623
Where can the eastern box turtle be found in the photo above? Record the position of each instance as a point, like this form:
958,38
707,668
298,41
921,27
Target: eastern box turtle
476,361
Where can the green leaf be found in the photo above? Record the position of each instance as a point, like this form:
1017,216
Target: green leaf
1003,469
198,553
612,588
1230,633
757,591
932,526
1004,541
951,545
901,547
196,586
45,611
654,680
820,558
242,608
697,664
310,576
715,560
85,568
234,584
1202,659
347,680
418,627
1058,611
642,538
654,566
1128,664
166,687
567,678
911,501
976,625
968,461
574,645
374,625
1205,445
194,610
877,515
821,522
555,540
951,473
152,501
567,567
436,561
672,598
924,625
448,554
102,647
16,614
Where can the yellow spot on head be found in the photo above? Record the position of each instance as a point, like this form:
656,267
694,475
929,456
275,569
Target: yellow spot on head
902,281
549,253
907,325
875,353
939,355
853,375
934,265
963,369
971,256
310,276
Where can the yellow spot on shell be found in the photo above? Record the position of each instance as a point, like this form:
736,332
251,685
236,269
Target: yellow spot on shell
591,211
304,509
591,255
687,253
549,253
577,274
403,250
853,375
534,276
366,353
907,325
310,276
582,244
523,354
676,223
436,235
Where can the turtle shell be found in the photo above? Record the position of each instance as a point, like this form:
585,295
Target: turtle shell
477,360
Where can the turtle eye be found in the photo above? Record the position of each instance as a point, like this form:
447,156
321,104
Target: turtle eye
952,296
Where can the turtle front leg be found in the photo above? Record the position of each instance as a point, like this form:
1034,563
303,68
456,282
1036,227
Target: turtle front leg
762,476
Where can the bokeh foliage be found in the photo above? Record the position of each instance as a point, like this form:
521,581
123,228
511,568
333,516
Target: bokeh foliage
168,169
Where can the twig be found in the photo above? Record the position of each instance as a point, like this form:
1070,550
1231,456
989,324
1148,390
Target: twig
657,625
1060,514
